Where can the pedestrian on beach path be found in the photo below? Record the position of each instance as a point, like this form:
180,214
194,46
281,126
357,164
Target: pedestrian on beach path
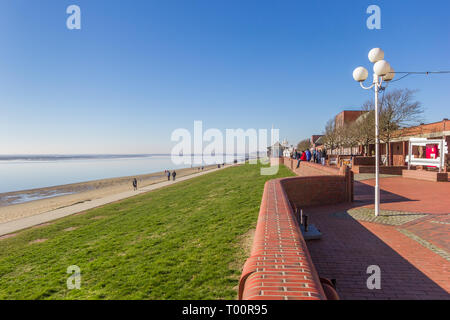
134,184
173,175
168,175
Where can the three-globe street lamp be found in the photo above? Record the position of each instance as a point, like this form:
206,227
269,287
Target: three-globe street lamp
382,72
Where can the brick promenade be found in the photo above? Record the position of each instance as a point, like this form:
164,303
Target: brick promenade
410,241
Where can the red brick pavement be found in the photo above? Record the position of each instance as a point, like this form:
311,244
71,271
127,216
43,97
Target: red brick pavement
402,194
348,247
434,229
410,195
409,270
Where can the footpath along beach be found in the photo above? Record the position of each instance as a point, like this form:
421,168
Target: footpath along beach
83,196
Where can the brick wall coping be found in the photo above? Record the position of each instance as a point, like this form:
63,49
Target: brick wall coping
280,266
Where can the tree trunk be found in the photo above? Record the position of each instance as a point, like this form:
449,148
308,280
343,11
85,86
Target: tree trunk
387,154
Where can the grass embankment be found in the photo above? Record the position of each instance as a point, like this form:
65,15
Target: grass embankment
180,242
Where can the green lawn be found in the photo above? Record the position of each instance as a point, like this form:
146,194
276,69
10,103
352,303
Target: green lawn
179,242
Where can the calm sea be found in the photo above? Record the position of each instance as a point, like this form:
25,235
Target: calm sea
29,172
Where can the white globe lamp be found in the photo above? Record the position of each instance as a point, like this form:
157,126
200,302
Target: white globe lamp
360,74
389,76
375,55
381,68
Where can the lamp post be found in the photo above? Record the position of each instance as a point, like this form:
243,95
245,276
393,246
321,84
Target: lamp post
382,72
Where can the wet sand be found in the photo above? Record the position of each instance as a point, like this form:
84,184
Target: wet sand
75,193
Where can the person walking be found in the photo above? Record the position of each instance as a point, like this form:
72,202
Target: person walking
323,156
173,175
297,157
168,175
134,184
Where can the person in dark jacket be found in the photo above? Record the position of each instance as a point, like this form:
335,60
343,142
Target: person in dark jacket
134,184
173,175
324,156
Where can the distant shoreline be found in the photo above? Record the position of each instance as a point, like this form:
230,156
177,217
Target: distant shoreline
51,198
57,157
99,183
30,173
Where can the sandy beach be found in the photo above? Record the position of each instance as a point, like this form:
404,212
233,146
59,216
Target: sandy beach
76,193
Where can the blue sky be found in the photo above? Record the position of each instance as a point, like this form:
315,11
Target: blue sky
137,70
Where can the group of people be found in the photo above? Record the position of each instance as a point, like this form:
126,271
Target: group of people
168,174
316,156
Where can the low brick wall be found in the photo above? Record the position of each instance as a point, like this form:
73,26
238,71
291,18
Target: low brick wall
395,170
280,266
363,161
426,175
309,168
319,190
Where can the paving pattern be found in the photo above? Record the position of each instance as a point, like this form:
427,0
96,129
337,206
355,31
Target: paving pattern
368,176
389,217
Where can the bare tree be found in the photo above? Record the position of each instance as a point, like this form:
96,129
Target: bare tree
363,128
349,136
340,136
329,136
303,145
397,111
